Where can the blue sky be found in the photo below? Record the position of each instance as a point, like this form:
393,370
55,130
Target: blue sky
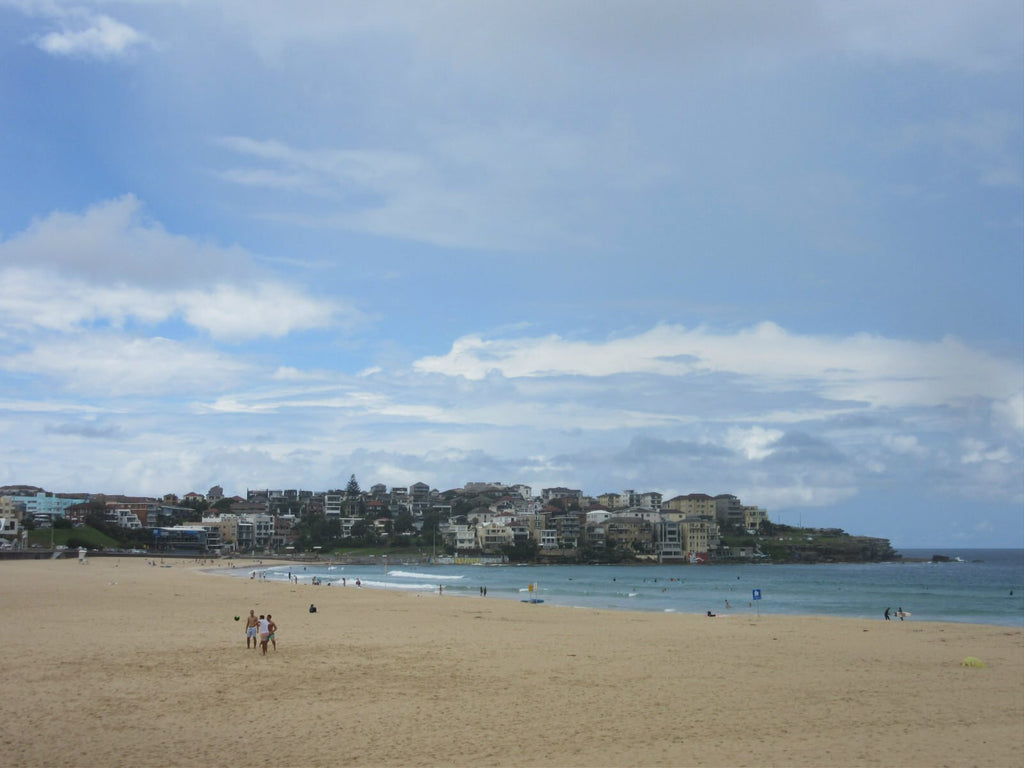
770,249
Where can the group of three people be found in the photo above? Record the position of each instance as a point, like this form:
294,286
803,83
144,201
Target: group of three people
262,629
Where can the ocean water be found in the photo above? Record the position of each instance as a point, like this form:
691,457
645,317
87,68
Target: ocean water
987,587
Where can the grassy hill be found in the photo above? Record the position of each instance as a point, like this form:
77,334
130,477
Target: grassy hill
787,544
72,537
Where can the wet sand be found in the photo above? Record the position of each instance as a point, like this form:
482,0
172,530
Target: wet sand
117,663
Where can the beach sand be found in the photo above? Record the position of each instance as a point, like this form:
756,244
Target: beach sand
118,663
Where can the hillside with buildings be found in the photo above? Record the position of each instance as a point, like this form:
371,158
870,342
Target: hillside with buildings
480,519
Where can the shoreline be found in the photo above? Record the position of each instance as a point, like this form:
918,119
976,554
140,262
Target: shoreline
562,591
120,663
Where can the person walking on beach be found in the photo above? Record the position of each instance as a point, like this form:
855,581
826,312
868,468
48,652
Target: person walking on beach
264,633
271,631
250,629
887,609
899,612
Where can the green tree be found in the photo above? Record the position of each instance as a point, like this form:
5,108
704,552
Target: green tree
198,506
523,551
352,489
318,531
403,522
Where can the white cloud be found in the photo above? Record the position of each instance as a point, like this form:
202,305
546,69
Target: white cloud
37,299
49,406
975,36
113,241
113,365
979,36
904,444
870,369
232,312
109,265
977,451
460,188
1010,411
42,299
101,37
809,493
755,443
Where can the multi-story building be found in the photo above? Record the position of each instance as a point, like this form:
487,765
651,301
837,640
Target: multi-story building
491,537
259,497
548,495
700,537
334,504
289,501
11,508
43,505
399,501
728,510
222,529
419,499
753,517
262,531
634,533
668,540
214,543
643,513
9,529
139,506
253,532
693,504
347,523
524,491
650,500
594,532
461,537
521,530
180,538
123,518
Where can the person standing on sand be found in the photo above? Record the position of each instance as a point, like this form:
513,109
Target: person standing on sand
271,630
264,633
250,629
887,614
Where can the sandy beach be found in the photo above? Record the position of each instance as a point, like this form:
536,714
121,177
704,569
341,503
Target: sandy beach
119,663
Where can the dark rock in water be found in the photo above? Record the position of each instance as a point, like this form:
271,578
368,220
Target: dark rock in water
940,558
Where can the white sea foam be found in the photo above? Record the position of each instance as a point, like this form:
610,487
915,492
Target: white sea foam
427,576
374,584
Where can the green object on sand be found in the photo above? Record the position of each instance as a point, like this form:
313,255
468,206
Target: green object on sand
236,618
971,661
